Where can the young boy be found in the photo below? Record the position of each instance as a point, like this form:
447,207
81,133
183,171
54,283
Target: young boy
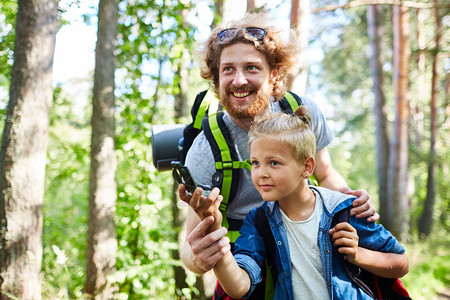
282,155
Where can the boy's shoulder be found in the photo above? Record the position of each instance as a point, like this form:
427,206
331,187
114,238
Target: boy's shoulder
333,201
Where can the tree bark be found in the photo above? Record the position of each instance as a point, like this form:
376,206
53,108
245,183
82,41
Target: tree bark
300,15
398,160
253,5
102,241
426,218
417,111
23,150
375,32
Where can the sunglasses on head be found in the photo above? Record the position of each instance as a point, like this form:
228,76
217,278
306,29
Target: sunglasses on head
254,32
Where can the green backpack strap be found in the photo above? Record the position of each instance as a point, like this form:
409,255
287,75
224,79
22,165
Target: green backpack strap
290,102
209,102
227,164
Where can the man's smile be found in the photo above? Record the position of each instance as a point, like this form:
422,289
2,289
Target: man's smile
240,94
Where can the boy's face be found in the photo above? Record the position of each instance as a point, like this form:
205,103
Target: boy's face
276,173
245,79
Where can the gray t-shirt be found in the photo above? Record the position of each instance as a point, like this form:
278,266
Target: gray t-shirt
200,159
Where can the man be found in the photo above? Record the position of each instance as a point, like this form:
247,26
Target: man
247,64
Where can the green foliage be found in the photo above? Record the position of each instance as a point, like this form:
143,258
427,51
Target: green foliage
347,87
152,38
8,9
66,202
345,77
429,266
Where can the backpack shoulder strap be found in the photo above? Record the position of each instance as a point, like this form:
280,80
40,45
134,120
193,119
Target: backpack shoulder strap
356,274
205,103
290,102
262,226
226,162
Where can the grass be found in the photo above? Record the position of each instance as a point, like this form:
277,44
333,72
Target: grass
429,267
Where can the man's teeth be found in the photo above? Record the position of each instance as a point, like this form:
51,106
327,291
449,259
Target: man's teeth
241,95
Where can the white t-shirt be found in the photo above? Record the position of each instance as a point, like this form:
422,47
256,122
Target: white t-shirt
307,271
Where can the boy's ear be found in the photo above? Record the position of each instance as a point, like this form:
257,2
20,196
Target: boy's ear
310,164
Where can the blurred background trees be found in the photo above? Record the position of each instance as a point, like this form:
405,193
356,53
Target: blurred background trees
382,82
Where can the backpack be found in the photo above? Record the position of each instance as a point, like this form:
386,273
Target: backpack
207,115
376,287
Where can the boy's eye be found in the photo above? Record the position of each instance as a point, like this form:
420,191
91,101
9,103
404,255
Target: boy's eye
255,163
252,68
274,163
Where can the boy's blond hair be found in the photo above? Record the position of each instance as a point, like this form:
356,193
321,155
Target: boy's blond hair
290,129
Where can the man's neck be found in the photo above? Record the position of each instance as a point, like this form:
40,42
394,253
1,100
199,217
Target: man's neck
244,123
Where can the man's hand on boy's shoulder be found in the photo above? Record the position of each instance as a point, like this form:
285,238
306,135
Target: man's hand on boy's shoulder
362,206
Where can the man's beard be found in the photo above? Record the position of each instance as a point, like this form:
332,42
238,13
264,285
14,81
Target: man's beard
259,104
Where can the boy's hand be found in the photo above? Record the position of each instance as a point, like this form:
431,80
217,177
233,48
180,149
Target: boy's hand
346,239
184,196
207,206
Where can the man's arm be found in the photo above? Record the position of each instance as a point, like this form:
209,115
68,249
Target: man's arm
328,177
326,174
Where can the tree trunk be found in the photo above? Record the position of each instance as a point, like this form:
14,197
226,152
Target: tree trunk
375,32
181,112
300,14
102,241
398,160
253,5
23,150
421,92
426,218
218,13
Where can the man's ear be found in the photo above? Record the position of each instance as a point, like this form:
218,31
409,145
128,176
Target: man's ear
273,75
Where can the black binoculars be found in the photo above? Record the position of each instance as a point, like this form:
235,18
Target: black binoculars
167,143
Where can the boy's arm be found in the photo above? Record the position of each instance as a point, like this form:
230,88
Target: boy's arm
387,265
383,264
234,280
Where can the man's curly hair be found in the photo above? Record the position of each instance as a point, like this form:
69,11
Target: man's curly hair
279,53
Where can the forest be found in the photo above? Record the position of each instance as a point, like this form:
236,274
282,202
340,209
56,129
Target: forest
85,213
